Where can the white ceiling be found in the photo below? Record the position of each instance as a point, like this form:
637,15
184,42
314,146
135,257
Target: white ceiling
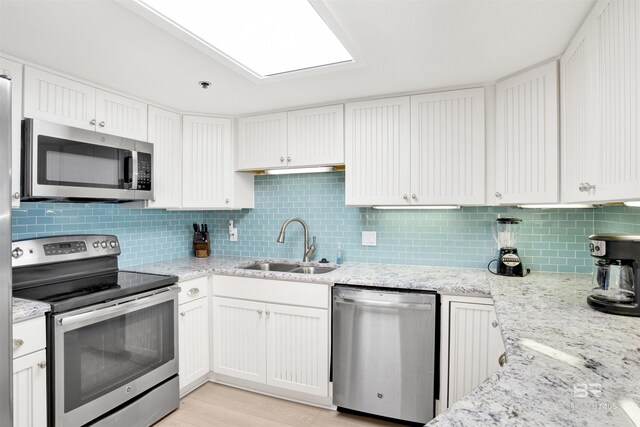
406,46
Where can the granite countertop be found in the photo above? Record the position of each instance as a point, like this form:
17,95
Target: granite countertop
26,309
566,364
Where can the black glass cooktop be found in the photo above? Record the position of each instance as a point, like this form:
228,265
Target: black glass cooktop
89,290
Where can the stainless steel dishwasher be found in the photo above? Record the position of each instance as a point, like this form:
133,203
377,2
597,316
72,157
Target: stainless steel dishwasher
384,352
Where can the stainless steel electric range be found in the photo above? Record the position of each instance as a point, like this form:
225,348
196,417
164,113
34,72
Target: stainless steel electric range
112,335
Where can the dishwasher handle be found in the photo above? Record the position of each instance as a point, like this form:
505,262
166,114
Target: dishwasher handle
382,304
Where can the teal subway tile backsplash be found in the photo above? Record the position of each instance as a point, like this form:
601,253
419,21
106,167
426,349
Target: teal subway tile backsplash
551,239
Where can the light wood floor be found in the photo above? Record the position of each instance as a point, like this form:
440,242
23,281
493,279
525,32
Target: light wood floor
218,405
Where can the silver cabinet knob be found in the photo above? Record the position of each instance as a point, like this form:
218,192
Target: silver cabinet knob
16,195
42,364
581,187
282,159
498,194
17,343
183,314
260,312
92,122
404,196
226,201
288,159
588,187
153,199
193,291
414,197
101,124
268,312
502,359
494,324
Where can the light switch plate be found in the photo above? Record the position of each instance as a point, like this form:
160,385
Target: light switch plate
233,236
369,238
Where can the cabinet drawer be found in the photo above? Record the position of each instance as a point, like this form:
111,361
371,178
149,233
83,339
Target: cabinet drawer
274,291
193,289
29,336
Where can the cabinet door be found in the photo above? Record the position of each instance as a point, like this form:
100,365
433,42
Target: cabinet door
475,345
194,341
59,100
166,135
207,162
377,152
239,339
120,116
14,70
298,349
616,26
316,136
527,148
447,148
262,142
30,390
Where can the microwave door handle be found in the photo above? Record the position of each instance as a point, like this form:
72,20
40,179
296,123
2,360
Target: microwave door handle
134,174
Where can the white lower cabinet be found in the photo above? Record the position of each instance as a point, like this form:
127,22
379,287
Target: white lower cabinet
29,373
471,345
193,334
272,333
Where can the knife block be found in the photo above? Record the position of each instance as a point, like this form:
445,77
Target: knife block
201,245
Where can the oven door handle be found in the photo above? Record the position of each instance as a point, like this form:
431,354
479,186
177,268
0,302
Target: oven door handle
101,314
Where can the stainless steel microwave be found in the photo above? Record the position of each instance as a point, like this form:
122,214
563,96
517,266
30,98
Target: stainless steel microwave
61,162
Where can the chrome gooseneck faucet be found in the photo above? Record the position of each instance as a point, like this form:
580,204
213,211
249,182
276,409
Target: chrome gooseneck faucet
308,250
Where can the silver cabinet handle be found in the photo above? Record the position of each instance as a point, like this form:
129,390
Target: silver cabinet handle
494,324
153,199
588,187
282,159
92,122
193,291
260,312
502,360
414,197
581,187
288,159
404,196
16,195
268,312
498,195
101,124
382,304
42,364
17,343
183,314
226,201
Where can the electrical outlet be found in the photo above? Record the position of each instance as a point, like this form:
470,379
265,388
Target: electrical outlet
233,236
369,238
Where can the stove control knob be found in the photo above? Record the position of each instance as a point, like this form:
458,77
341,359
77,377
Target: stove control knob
113,244
104,244
17,253
96,244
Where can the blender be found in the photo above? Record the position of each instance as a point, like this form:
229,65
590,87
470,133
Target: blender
508,263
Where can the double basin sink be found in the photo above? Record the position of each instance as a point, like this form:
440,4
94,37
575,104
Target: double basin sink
288,268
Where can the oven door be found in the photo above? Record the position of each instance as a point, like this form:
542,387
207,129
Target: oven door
65,162
107,355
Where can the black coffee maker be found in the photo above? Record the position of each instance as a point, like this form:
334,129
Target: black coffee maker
505,233
616,274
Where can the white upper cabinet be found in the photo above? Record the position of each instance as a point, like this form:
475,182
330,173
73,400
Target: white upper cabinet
208,177
447,148
527,146
120,116
302,138
60,100
315,136
377,152
600,83
57,99
262,142
14,70
165,132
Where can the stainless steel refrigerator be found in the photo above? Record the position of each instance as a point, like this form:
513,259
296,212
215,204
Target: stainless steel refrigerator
6,347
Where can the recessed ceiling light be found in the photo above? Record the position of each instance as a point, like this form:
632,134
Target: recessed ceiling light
264,37
204,84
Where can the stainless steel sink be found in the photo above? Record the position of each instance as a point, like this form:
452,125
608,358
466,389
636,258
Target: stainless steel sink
288,268
272,266
312,270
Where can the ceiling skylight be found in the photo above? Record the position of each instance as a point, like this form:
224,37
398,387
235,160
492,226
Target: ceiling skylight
265,37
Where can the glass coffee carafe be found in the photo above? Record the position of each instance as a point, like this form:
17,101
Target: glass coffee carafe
613,281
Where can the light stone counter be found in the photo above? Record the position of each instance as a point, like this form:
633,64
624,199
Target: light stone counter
567,365
26,309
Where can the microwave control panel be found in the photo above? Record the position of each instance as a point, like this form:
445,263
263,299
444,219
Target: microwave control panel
144,171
